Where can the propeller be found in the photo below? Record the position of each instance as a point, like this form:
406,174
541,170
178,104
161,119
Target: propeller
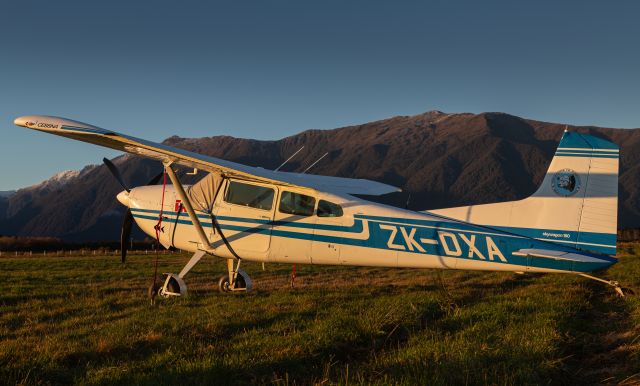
127,221
116,173
125,234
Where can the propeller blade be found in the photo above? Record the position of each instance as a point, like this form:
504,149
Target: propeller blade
116,173
126,233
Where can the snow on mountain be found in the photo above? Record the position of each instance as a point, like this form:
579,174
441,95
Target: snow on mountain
59,180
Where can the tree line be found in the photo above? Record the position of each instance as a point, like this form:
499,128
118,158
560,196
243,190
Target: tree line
28,243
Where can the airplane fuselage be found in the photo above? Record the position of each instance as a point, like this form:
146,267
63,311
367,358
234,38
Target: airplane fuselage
358,233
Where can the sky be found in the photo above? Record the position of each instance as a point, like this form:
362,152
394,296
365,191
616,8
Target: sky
269,69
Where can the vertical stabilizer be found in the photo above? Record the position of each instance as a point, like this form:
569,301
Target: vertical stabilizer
576,204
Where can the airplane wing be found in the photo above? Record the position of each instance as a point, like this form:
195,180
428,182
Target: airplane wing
557,255
111,139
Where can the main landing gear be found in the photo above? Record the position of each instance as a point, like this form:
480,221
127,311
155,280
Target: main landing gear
236,279
173,285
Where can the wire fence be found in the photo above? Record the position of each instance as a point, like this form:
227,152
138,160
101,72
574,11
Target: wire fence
84,252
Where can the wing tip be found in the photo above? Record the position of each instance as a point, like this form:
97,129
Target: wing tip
22,121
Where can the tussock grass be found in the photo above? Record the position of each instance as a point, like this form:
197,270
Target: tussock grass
86,320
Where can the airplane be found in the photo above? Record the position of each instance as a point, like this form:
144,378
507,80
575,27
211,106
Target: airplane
243,213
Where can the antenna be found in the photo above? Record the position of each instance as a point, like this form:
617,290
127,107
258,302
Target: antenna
288,159
566,128
314,164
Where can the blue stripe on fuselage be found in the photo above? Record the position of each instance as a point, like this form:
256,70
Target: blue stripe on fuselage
606,241
467,240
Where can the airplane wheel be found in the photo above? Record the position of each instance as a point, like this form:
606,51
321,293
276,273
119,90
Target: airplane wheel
224,285
173,286
624,291
242,284
173,289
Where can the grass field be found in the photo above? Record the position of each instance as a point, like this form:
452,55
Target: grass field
86,320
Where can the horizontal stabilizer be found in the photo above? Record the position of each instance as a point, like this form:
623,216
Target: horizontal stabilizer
557,255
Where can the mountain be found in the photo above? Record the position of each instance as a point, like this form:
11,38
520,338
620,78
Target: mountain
439,160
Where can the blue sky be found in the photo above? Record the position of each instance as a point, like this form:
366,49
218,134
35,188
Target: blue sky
269,69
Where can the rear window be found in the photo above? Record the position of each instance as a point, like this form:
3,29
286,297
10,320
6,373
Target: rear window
253,196
297,204
329,209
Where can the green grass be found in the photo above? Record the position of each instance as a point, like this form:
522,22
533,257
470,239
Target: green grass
86,320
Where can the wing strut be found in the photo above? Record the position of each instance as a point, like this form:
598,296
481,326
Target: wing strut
187,205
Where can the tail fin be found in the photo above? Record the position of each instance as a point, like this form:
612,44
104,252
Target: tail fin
576,205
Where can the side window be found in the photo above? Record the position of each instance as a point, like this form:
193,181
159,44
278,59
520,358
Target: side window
253,196
329,209
298,204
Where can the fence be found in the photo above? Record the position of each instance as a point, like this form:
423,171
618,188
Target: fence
85,252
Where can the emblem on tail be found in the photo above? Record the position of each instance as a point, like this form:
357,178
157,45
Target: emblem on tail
566,182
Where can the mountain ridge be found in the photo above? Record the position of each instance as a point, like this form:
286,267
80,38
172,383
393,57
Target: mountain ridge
441,159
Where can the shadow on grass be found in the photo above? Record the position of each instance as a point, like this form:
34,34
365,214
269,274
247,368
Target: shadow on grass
360,348
599,336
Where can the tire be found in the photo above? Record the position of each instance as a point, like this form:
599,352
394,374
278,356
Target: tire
240,283
224,284
173,286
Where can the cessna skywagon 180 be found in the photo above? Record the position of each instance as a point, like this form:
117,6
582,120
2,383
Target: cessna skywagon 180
242,213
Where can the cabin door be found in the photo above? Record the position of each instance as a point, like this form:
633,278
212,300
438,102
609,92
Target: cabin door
293,227
328,234
245,213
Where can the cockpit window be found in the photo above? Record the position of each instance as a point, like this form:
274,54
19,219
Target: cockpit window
254,196
297,204
329,209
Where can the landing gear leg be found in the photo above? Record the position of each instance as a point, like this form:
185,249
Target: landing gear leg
621,291
235,280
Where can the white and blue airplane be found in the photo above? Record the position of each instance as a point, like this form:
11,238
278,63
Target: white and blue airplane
242,213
